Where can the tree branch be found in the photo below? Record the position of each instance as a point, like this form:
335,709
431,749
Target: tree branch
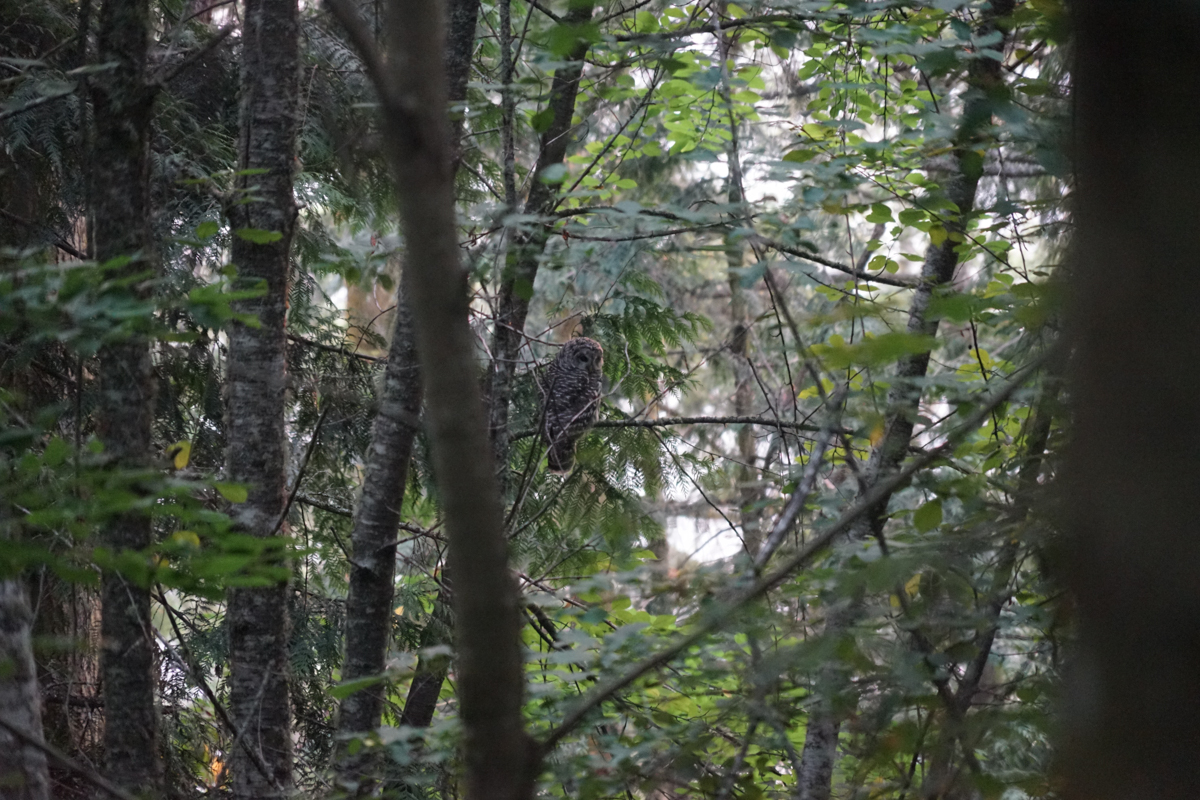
719,617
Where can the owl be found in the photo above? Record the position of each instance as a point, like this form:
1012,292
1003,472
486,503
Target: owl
570,398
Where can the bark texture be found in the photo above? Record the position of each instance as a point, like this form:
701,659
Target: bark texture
373,537
119,201
257,375
23,772
1133,703
498,753
516,290
372,578
984,82
525,252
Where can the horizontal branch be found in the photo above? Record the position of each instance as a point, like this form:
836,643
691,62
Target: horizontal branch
332,508
666,422
58,241
725,612
651,235
904,283
92,777
341,351
724,25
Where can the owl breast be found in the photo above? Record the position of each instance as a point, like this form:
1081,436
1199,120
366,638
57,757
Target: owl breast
571,399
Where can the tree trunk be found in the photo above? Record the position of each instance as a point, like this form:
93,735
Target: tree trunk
120,208
516,290
257,375
525,251
1133,721
819,756
373,537
23,772
499,755
386,471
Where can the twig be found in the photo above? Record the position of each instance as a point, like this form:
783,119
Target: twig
795,504
666,422
720,616
195,56
711,28
329,348
312,443
58,242
90,776
185,658
903,283
32,104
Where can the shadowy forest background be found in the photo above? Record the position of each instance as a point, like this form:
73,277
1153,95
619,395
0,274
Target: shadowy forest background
890,493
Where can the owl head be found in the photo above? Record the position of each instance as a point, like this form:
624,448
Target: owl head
582,354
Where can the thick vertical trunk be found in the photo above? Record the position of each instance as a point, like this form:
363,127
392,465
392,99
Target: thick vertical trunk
1133,723
819,756
120,208
257,373
23,772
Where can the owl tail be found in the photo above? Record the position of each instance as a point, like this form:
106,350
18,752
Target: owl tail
561,456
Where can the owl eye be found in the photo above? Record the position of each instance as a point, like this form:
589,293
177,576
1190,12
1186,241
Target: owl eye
583,359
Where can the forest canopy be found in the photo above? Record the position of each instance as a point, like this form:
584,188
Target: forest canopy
283,292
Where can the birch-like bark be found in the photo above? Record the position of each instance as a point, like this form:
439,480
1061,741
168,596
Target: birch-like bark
119,199
1133,723
256,381
819,757
499,757
23,772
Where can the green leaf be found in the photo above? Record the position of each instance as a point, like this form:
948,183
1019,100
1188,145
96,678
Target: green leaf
542,120
258,236
56,452
928,516
555,173
879,213
207,229
799,156
233,492
347,688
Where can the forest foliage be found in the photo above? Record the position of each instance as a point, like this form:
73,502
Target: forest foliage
819,243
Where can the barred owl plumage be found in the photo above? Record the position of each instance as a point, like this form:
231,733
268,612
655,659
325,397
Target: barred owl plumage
570,398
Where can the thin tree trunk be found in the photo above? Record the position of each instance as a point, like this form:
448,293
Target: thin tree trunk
819,756
1133,722
120,208
373,537
515,293
257,376
524,254
499,755
739,339
372,578
23,772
